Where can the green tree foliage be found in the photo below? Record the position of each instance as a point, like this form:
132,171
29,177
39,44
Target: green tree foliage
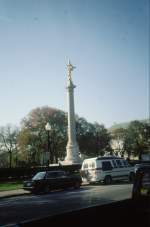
137,138
103,139
33,136
93,139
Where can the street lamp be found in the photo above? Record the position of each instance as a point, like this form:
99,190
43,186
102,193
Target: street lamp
48,129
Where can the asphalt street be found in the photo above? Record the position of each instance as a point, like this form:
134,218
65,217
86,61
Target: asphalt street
16,209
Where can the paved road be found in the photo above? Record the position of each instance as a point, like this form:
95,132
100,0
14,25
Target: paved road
17,209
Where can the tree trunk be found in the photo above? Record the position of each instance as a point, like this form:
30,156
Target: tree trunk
140,155
129,155
10,159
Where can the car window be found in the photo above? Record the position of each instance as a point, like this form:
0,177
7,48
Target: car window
39,176
55,174
51,175
61,174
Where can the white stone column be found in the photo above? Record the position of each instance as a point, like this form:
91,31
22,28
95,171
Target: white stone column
72,146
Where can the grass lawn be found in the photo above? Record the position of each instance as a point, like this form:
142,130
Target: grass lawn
7,186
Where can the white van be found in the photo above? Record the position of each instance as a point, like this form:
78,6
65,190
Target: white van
105,169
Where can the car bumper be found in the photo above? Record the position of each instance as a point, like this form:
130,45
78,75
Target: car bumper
31,188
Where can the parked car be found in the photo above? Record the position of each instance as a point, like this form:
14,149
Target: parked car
105,169
48,180
137,166
141,186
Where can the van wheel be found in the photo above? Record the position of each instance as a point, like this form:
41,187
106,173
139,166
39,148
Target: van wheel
107,180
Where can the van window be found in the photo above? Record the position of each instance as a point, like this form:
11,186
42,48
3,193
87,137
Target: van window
85,165
90,165
114,164
125,163
93,165
122,163
119,163
106,165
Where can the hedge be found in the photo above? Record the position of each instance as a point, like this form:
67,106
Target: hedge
25,173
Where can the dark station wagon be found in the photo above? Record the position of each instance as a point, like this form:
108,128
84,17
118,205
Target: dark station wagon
141,186
49,180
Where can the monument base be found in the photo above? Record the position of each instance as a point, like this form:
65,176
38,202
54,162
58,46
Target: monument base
72,155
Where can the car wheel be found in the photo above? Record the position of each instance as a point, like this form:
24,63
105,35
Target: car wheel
77,185
107,180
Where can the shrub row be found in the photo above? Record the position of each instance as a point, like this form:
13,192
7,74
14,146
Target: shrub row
25,173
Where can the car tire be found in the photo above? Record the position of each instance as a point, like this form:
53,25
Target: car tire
108,180
77,185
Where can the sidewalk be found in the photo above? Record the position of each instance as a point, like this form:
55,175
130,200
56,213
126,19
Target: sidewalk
18,192
11,193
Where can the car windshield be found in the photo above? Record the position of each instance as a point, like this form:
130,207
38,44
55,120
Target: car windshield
39,176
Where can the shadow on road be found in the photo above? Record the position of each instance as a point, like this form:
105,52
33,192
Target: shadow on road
113,183
64,191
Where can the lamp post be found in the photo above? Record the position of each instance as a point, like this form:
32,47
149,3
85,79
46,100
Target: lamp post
48,129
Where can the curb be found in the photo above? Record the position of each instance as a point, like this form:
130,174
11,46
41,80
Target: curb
9,195
15,195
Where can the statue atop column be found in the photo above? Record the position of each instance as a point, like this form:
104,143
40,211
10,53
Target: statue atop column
70,69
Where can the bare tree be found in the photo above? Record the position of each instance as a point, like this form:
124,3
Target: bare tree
8,139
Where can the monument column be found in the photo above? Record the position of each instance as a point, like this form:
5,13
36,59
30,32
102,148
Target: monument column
72,146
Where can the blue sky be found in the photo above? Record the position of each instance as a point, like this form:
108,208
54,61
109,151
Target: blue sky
108,42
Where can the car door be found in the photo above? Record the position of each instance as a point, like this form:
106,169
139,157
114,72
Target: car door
51,180
63,179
